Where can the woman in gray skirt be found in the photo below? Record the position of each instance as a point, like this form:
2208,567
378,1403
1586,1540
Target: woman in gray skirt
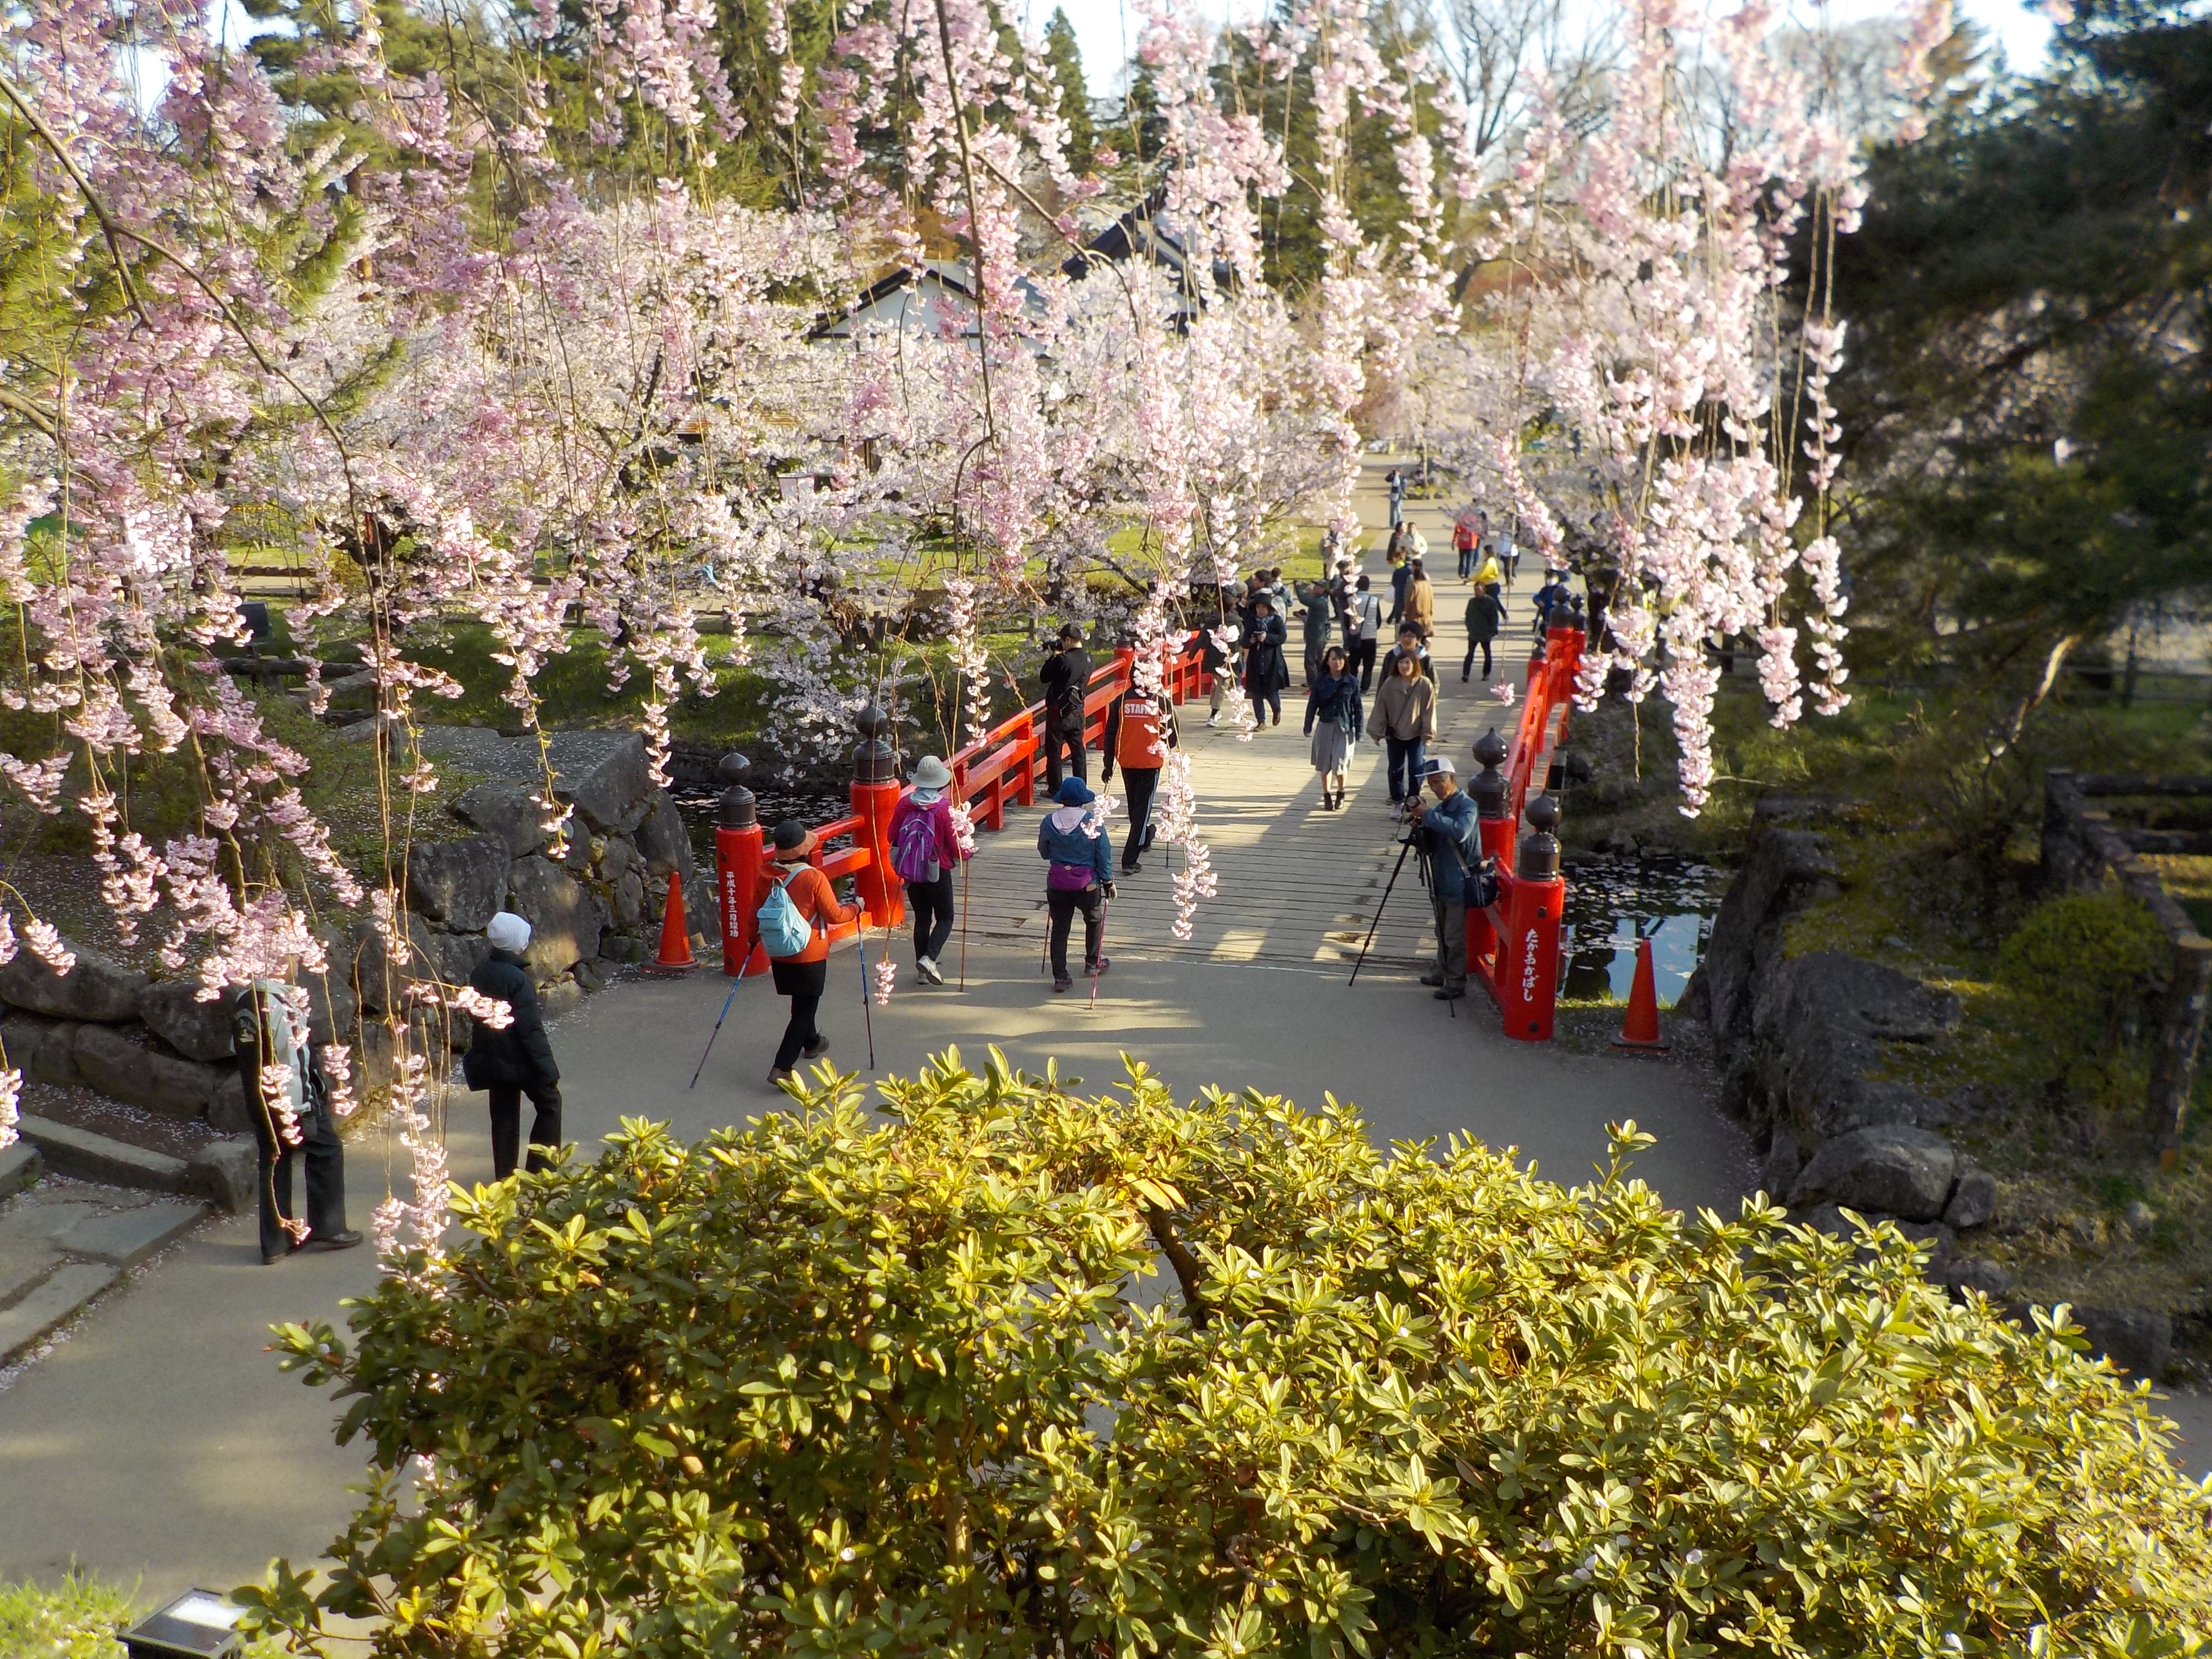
1334,717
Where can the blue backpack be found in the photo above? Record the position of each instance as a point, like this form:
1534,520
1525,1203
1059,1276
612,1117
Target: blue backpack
783,931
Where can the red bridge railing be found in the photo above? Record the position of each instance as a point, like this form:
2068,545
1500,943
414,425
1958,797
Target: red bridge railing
1513,946
1000,768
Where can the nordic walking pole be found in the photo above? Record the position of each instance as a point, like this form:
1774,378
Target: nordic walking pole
719,1019
1404,846
867,1000
1099,955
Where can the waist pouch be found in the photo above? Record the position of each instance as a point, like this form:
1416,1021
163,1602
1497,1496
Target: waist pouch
1069,877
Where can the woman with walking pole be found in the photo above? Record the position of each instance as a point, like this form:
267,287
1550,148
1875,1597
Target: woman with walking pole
1078,876
924,848
798,907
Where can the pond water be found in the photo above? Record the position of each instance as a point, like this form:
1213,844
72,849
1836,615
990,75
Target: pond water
1612,905
773,803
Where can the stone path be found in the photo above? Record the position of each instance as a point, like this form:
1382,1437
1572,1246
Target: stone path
159,1443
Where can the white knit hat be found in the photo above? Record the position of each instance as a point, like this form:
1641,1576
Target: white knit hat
509,931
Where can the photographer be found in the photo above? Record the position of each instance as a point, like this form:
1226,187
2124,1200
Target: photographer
1447,832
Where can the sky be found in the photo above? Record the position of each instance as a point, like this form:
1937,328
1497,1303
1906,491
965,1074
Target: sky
1107,29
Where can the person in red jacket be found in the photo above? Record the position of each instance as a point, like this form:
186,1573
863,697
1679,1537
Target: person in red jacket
803,978
1147,732
923,858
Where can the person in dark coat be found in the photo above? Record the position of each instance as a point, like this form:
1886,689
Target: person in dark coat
1485,615
269,1028
517,1059
1333,717
1265,673
1066,680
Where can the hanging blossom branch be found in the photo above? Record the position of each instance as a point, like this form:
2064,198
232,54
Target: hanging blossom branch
1653,307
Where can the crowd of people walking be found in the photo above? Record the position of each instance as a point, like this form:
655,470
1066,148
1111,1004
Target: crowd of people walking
1350,691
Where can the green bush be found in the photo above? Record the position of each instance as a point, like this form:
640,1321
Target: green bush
849,1384
76,1619
2086,961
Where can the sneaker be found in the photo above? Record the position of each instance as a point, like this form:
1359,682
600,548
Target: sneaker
1447,994
1059,984
927,969
815,1049
1432,979
1213,719
1099,966
778,1074
1132,869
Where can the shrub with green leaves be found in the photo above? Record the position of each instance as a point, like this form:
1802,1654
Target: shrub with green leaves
1010,1370
2085,960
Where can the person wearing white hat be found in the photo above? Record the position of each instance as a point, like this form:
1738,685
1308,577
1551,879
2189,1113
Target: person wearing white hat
516,1060
1447,827
924,849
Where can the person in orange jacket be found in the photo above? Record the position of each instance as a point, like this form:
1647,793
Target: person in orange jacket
804,976
1141,751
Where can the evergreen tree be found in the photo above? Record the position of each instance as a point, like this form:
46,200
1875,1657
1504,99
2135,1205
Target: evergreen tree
2028,386
1065,59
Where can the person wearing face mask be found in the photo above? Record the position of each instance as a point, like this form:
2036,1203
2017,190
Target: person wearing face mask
1079,877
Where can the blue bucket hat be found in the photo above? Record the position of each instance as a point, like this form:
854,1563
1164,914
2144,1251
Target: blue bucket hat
1073,791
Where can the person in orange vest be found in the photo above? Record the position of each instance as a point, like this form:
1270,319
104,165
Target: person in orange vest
1147,735
804,975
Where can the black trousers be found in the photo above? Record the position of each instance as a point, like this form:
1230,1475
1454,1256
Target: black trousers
324,1153
506,1123
931,904
1472,647
1063,904
1142,781
1360,654
803,984
1057,739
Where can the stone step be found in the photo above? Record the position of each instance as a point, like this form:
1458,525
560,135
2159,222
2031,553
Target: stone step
127,1237
54,1302
94,1157
24,1265
21,1166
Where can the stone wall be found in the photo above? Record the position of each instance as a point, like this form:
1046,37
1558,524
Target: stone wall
153,1045
1800,1043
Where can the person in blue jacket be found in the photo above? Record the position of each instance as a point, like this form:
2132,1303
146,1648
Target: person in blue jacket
1078,876
1447,827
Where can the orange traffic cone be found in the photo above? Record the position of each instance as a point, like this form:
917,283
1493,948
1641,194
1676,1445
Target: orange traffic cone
1641,1029
675,956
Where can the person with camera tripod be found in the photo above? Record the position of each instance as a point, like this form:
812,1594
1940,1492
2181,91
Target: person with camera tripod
1449,840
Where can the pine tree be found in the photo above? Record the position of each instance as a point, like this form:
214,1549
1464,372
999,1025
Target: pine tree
1066,58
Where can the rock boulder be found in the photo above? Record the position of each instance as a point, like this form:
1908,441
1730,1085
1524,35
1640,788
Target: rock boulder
226,1172
123,1066
195,1030
95,989
1974,1200
2136,1340
602,775
461,884
505,810
565,920
1888,1169
1820,1023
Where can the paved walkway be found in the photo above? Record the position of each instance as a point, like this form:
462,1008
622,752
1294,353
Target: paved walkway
159,1443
